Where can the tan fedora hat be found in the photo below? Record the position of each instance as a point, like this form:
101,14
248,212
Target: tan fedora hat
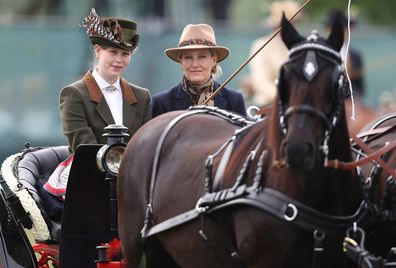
196,36
276,10
111,31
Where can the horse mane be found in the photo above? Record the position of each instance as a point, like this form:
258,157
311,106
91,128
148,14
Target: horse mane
274,131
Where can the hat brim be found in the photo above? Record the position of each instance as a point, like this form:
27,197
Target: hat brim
103,41
174,53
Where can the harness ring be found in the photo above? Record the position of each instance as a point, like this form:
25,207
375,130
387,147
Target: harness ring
294,214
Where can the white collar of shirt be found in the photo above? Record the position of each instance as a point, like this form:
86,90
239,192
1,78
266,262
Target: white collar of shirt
103,83
113,99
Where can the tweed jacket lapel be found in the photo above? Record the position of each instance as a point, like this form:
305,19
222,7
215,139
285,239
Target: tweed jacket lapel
128,110
95,95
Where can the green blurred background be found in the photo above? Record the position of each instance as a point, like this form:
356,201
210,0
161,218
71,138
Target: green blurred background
43,49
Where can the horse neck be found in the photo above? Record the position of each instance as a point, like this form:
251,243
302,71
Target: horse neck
336,192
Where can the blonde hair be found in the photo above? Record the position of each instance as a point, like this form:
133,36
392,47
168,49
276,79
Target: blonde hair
217,71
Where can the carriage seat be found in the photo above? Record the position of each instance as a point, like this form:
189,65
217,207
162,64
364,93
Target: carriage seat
33,170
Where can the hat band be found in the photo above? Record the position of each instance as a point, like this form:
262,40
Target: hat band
197,41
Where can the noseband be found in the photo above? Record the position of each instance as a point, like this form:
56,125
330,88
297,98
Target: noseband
310,71
307,109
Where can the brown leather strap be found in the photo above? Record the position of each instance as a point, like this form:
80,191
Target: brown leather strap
371,155
374,131
264,110
377,155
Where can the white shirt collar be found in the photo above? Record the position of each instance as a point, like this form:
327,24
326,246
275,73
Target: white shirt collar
103,83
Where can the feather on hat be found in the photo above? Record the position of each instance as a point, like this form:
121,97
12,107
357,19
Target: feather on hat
111,31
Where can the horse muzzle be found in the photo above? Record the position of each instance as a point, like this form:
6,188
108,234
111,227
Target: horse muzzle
299,156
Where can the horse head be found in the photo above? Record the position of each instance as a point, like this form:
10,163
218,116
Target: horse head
309,108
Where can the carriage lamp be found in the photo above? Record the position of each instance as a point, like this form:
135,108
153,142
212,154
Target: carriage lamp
109,158
109,155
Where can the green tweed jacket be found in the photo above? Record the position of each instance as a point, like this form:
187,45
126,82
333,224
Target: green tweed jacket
85,113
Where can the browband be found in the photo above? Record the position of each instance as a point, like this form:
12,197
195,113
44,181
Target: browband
315,46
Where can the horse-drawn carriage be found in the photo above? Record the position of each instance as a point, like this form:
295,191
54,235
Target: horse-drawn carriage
208,188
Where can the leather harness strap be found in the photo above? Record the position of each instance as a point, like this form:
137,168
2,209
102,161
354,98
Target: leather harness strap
337,164
372,155
223,164
376,155
231,117
374,131
264,110
268,200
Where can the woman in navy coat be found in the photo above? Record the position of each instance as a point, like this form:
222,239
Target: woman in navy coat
198,56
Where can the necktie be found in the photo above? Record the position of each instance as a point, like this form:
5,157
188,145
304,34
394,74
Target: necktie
110,88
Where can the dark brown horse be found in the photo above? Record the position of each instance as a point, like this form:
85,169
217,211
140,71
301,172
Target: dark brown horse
264,198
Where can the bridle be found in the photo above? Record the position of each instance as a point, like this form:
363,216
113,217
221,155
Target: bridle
310,70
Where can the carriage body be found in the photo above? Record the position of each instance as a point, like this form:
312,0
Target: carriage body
85,219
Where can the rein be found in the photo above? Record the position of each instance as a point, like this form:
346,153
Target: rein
371,155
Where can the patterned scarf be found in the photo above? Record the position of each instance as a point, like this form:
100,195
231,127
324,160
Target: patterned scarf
199,93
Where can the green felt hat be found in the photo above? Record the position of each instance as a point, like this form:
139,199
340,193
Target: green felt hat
111,31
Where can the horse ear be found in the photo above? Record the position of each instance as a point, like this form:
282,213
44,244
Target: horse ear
289,34
336,37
